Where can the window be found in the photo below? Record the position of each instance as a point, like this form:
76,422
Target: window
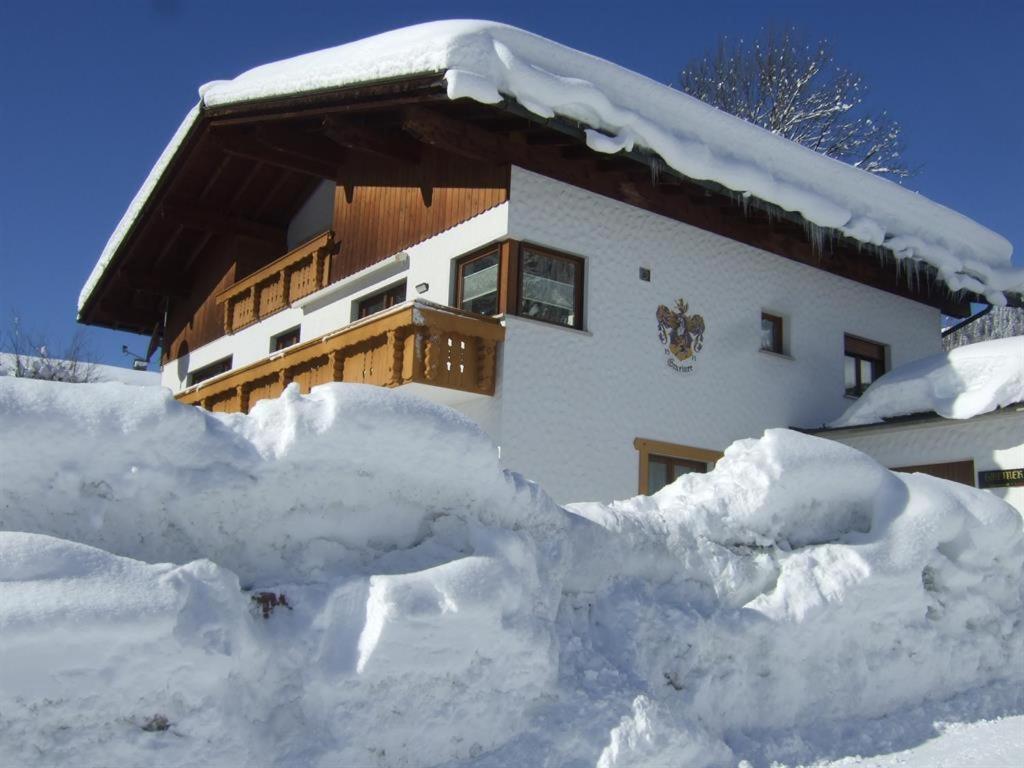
664,470
285,339
771,333
209,371
524,280
550,287
477,283
378,302
663,463
864,363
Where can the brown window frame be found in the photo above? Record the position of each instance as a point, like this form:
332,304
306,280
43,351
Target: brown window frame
510,278
578,283
277,339
778,324
861,349
390,296
660,450
209,371
463,261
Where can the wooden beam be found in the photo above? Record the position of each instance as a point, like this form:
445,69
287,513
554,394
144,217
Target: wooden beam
250,148
374,142
207,219
453,136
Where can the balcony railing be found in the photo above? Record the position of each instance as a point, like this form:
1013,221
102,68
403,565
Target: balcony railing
298,273
415,342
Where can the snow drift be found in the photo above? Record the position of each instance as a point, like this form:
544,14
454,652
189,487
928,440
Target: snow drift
438,610
958,384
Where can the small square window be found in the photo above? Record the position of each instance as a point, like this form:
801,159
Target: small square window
771,333
284,340
209,371
378,302
550,287
645,274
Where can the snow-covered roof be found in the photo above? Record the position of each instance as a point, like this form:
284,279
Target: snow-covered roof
623,110
959,384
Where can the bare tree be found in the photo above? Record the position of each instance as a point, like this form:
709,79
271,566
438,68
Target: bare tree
795,89
30,357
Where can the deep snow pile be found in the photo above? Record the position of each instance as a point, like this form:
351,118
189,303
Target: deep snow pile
441,611
958,384
487,62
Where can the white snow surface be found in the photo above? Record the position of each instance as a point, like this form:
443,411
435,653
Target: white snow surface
959,384
487,62
799,604
100,372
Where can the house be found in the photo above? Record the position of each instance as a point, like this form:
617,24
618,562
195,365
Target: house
612,278
957,415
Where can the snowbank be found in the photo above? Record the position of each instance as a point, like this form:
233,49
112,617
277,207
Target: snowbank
440,610
487,62
99,371
964,382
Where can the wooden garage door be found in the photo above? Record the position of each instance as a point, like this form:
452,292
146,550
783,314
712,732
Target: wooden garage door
957,471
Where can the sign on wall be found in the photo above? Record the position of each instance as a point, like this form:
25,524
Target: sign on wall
1000,478
682,335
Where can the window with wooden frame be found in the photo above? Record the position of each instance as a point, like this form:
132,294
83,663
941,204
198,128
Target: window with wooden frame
550,286
209,371
662,463
285,339
478,282
864,362
519,279
380,301
771,333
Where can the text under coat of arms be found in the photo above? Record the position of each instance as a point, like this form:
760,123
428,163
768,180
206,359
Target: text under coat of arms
682,334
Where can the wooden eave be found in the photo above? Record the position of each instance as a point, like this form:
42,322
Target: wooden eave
244,169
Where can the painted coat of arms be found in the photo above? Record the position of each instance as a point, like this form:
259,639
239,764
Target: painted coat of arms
681,333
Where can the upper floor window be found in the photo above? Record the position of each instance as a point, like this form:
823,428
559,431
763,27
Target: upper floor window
378,302
477,283
550,287
209,371
864,362
520,279
284,340
771,333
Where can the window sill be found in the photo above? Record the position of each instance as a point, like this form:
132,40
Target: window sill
780,355
544,323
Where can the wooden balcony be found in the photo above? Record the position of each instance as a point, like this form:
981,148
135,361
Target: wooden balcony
298,273
415,342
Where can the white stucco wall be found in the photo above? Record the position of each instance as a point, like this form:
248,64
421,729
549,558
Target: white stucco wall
992,441
572,402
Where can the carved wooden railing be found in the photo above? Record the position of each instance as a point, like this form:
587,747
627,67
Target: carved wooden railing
298,273
415,342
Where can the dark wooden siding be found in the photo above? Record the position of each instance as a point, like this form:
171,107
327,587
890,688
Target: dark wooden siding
197,318
957,471
381,207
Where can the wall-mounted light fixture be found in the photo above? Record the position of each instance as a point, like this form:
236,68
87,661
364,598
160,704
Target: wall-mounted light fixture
422,287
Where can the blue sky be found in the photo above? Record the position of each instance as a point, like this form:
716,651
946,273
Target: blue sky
93,90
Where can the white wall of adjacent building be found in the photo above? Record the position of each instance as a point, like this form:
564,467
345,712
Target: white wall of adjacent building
992,441
570,403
